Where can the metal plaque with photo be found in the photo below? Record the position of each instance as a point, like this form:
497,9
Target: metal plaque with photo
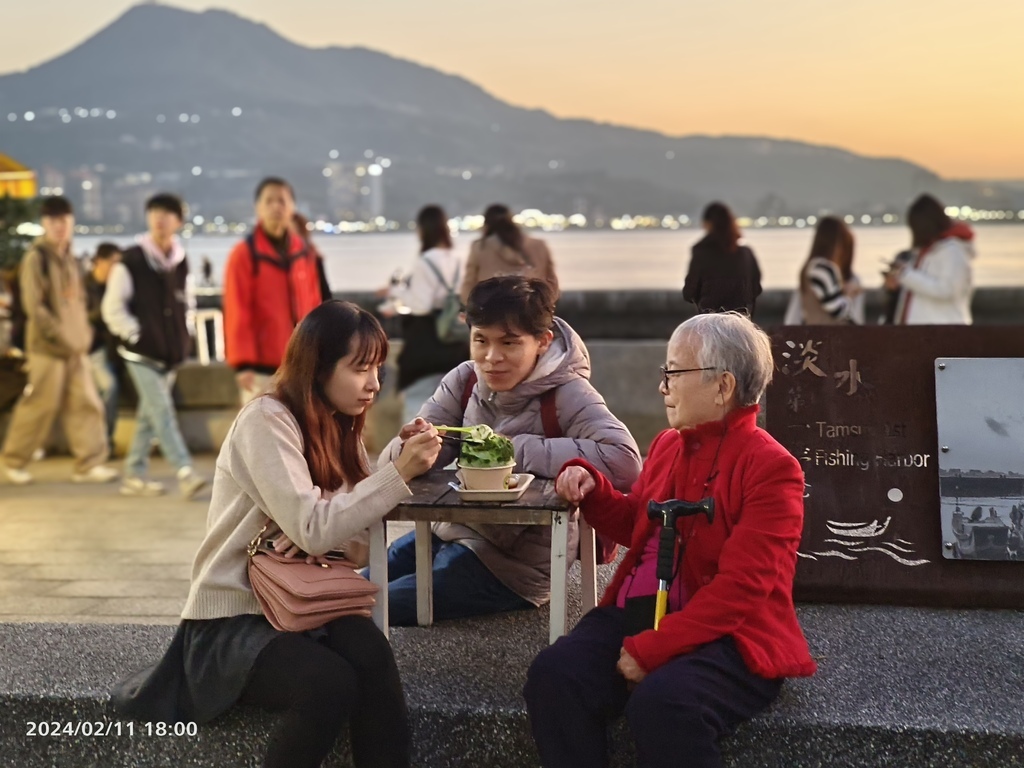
980,415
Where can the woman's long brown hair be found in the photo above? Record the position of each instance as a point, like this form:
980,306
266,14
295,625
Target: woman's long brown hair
832,232
332,442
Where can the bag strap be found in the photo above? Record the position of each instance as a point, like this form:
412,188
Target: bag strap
440,278
548,410
549,415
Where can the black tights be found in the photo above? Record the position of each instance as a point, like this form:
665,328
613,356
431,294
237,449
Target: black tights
350,677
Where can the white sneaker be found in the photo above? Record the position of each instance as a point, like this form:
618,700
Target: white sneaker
18,476
97,474
137,486
189,483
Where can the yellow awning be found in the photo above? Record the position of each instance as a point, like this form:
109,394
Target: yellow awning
16,180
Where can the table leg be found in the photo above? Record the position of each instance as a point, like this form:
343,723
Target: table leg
424,575
559,546
588,565
379,573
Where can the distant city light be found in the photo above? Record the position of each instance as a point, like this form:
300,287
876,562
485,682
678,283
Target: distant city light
236,112
385,162
368,154
364,191
111,114
161,118
12,117
197,170
30,116
195,118
360,171
467,175
65,118
183,118
375,170
848,219
553,164
865,219
328,171
87,185
198,220
333,154
95,112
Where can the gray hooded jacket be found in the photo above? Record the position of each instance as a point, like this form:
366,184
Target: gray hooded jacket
520,556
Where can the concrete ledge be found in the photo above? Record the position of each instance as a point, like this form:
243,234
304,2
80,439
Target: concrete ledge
897,687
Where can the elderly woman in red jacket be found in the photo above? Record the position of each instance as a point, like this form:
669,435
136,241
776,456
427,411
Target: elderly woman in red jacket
731,634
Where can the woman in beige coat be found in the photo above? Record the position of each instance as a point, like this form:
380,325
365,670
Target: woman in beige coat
505,250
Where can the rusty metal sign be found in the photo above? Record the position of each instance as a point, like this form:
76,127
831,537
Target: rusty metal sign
857,407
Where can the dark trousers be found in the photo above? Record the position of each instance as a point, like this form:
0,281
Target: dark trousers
676,714
463,586
348,678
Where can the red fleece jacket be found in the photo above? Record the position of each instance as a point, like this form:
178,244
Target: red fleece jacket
738,570
265,297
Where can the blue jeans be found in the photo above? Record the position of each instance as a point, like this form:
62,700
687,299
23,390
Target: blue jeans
155,417
104,375
463,586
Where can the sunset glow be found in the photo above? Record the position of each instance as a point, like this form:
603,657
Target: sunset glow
937,82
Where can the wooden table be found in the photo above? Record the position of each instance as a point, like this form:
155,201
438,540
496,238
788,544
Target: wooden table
435,501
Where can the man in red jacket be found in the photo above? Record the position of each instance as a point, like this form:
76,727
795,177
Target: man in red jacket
731,635
271,282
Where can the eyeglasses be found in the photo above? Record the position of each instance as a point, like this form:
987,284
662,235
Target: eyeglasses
666,372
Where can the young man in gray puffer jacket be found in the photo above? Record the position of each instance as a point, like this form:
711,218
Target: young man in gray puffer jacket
519,351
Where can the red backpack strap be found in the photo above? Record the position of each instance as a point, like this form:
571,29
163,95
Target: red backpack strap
549,415
467,392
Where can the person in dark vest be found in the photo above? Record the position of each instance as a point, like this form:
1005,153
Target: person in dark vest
146,307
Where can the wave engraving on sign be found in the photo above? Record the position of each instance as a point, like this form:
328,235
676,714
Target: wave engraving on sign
856,539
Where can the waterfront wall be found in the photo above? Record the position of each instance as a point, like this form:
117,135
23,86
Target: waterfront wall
654,314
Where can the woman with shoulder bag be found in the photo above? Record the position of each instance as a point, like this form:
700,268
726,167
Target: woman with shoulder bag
294,463
425,358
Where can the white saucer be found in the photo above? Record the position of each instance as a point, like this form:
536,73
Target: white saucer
511,494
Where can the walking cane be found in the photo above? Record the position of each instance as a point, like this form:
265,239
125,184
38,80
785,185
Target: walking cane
669,512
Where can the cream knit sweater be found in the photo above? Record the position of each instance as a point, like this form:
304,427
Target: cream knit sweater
262,473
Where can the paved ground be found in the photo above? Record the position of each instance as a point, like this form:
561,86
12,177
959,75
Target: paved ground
74,553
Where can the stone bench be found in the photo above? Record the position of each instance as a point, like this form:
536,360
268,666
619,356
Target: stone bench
897,687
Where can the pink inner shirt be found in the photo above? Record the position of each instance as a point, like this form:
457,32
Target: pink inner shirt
644,579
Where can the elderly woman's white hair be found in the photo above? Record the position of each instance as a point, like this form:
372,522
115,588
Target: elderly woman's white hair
729,341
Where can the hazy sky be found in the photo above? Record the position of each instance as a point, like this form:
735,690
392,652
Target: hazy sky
939,82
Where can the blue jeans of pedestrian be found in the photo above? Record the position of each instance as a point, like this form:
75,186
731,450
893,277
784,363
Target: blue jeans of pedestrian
155,417
677,713
463,586
104,375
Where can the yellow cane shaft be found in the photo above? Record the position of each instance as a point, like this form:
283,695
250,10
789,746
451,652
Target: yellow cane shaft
660,607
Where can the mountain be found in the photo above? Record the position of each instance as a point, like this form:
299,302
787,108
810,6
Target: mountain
298,104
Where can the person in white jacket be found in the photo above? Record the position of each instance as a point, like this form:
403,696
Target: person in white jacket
937,285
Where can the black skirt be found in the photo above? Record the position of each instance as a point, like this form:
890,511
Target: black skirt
202,674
